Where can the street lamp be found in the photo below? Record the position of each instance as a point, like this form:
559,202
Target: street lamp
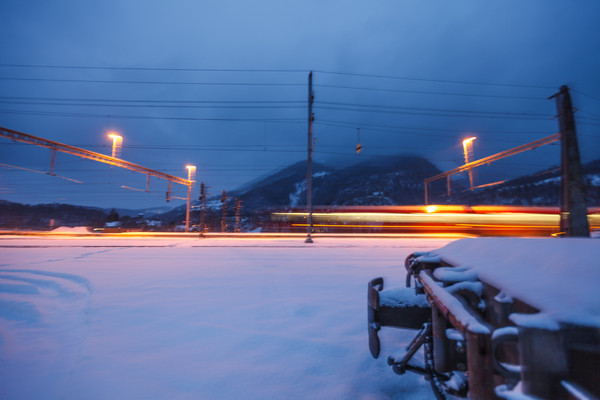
468,151
117,144
191,172
191,175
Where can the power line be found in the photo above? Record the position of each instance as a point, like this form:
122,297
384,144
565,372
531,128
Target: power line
429,109
589,119
587,124
122,68
523,116
585,94
434,114
151,82
152,101
429,93
151,105
65,114
435,80
589,113
354,125
147,68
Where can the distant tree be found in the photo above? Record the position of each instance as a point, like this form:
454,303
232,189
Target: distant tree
113,216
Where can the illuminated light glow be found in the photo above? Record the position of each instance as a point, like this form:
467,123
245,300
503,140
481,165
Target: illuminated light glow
191,171
377,226
499,219
431,209
502,226
114,136
469,140
117,144
446,218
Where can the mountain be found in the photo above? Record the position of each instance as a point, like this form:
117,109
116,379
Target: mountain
384,180
372,181
281,188
541,189
380,181
146,212
46,216
16,215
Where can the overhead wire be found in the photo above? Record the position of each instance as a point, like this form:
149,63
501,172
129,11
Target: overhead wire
151,82
155,105
585,94
434,80
152,101
152,117
397,128
429,109
429,92
148,68
258,104
357,109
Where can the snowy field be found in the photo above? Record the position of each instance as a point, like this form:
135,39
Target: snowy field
102,318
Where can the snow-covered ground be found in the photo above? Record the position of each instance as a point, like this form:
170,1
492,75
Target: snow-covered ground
142,318
558,276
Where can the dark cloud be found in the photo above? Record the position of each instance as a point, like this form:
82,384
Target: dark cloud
438,45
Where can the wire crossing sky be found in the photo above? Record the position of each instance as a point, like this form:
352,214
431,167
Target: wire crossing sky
224,87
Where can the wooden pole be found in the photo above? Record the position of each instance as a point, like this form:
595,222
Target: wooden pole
311,118
573,209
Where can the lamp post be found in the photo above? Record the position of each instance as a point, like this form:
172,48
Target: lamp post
468,151
117,144
191,175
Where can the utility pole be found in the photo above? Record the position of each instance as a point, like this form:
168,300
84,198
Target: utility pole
311,118
202,199
187,208
238,212
224,212
573,209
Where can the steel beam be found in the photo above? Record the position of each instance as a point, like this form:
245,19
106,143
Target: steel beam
90,155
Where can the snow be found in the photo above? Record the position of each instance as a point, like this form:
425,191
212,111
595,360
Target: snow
401,297
558,276
173,318
454,274
455,307
296,195
320,174
75,229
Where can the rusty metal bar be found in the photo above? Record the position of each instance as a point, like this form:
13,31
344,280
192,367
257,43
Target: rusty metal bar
452,308
494,157
90,155
473,328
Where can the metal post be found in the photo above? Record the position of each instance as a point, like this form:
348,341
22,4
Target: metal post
573,209
187,208
311,118
224,211
202,207
52,160
238,214
425,183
